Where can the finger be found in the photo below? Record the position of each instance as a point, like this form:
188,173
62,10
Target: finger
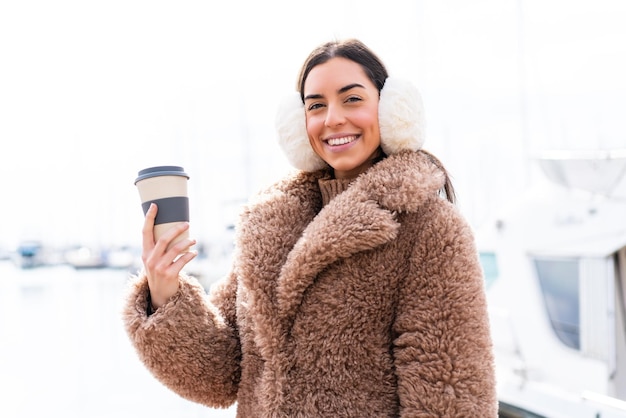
166,242
182,260
182,246
148,227
171,267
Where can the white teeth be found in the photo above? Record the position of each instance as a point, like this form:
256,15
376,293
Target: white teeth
341,141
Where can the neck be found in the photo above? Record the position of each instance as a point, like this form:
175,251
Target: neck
354,173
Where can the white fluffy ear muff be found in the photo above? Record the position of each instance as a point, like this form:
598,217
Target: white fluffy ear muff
400,116
292,136
400,119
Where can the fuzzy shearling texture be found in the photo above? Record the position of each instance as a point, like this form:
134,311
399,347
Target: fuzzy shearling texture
292,136
209,348
400,117
372,305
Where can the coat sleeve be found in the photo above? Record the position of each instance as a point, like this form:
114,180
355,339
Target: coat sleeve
190,344
442,347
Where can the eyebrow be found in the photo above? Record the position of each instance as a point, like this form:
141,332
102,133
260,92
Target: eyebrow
340,91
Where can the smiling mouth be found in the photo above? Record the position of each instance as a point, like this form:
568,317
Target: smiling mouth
341,141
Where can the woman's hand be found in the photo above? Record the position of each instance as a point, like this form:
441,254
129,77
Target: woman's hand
163,265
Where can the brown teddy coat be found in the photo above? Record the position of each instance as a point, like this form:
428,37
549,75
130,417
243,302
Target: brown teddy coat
372,305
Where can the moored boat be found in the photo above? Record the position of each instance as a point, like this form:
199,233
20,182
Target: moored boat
555,269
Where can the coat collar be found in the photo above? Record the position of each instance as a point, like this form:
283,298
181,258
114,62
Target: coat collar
286,238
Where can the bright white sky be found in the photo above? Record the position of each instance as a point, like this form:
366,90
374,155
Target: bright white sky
91,92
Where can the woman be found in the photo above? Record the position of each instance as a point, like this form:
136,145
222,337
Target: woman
356,289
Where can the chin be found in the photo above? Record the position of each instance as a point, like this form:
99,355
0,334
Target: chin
342,166
353,169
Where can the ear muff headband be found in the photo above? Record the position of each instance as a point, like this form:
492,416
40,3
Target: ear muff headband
400,119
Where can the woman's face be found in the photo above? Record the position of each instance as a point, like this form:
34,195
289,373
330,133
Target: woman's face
341,105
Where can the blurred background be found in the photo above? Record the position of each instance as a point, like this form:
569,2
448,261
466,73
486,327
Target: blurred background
91,92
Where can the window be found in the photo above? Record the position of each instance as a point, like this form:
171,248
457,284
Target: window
490,267
559,280
509,411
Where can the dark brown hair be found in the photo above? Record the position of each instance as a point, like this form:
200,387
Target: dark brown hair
356,51
351,49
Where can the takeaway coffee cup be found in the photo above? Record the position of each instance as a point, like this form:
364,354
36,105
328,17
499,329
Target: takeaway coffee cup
167,187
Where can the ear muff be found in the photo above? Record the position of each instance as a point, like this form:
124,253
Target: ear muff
400,119
292,136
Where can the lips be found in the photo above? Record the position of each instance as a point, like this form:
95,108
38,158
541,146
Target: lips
341,140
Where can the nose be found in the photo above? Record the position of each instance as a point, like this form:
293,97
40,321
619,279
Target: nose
334,116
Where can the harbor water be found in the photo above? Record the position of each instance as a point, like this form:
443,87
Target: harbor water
64,351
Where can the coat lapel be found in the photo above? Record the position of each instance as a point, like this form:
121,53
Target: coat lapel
269,228
347,225
286,238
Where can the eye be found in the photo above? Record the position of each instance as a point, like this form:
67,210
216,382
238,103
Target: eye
314,106
353,99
